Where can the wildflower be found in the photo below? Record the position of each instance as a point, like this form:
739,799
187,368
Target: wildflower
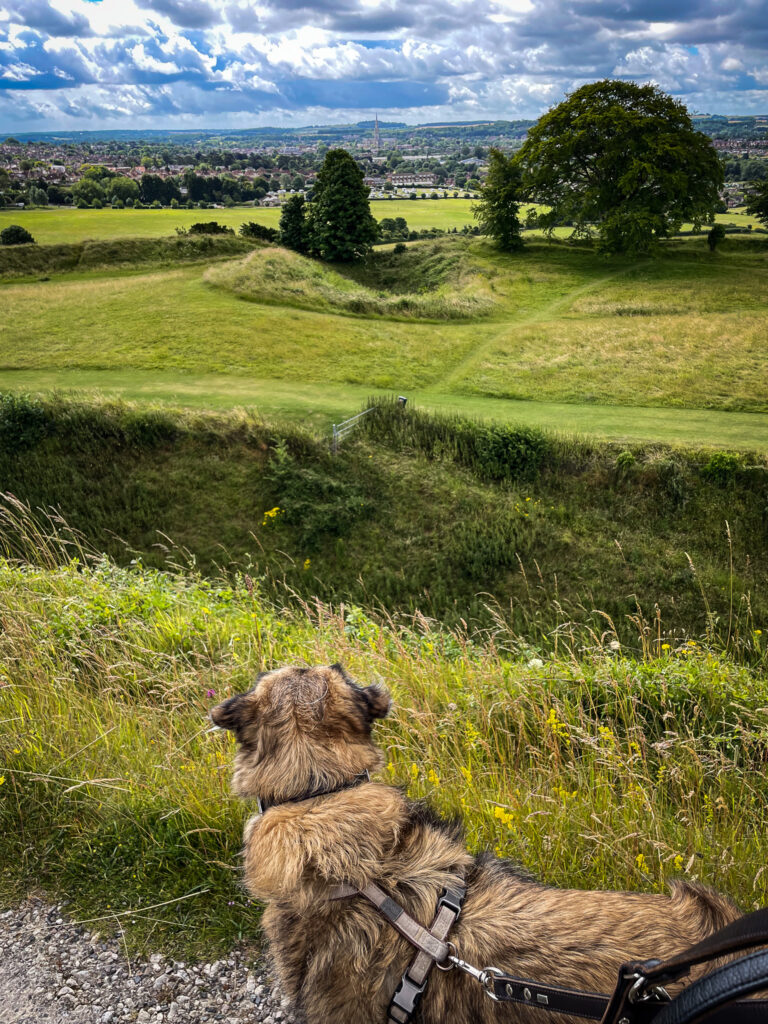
210,693
641,862
558,728
433,777
678,862
414,771
615,645
606,733
757,632
665,647
2,779
535,663
391,770
206,611
307,563
467,773
271,515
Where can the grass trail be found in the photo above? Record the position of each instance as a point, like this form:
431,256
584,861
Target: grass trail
545,312
318,405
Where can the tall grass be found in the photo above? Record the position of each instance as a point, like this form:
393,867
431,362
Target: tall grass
592,768
285,278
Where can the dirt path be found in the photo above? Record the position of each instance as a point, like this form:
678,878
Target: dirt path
54,972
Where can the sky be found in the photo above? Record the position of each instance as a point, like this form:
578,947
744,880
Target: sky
91,64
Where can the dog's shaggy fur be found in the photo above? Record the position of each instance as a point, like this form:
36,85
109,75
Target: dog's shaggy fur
300,730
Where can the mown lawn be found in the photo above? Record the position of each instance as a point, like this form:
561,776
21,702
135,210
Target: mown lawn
565,326
59,224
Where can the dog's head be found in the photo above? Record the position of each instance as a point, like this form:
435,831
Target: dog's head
302,729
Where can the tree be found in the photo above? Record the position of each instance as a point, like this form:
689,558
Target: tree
340,223
715,237
499,203
86,190
15,234
122,188
293,225
757,204
623,158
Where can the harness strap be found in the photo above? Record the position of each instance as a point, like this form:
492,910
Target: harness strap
430,942
408,994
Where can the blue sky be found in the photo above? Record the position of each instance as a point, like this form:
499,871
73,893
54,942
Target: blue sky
87,64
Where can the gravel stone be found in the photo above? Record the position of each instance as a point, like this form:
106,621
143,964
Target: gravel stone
55,972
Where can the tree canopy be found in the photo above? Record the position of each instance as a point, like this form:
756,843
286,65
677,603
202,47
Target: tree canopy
624,159
15,234
499,203
341,226
293,224
757,203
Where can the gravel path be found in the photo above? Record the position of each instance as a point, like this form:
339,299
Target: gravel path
55,972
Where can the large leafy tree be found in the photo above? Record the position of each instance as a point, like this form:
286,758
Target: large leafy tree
499,203
340,223
293,225
623,159
757,203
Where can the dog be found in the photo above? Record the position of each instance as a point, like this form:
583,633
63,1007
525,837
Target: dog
304,748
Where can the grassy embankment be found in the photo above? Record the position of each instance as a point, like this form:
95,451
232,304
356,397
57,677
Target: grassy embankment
459,520
593,769
565,326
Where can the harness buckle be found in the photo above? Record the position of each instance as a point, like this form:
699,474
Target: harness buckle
453,899
407,997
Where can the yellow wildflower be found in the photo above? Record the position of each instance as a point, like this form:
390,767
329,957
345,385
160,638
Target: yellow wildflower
433,777
678,862
641,862
307,562
414,771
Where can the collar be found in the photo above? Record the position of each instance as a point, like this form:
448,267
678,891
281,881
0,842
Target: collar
264,805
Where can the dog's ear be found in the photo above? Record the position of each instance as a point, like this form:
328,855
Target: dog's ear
378,699
230,714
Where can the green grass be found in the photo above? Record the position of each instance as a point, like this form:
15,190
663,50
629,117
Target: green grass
317,407
276,276
566,326
57,225
608,771
423,519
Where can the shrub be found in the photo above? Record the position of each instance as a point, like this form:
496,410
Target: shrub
722,468
15,234
250,229
24,422
314,501
400,247
625,461
210,227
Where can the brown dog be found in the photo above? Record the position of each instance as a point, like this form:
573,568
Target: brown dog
304,739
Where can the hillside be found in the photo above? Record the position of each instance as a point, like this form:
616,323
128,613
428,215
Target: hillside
491,524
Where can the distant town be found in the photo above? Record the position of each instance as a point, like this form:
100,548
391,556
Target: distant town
263,166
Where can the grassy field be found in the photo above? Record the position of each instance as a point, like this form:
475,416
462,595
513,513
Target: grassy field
607,772
562,325
56,225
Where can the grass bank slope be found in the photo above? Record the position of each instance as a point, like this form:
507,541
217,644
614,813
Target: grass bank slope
557,538
449,289
28,260
602,772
